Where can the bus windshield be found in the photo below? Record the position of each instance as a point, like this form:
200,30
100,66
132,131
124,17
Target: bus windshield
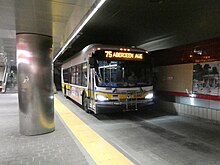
123,74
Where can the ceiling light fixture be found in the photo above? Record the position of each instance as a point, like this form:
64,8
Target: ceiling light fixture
79,29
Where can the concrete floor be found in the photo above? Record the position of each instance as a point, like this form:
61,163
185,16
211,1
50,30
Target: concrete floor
156,138
56,148
146,138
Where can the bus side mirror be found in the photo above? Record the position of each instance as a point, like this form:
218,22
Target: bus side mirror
92,62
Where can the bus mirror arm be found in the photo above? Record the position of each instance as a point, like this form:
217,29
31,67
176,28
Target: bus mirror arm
141,89
92,62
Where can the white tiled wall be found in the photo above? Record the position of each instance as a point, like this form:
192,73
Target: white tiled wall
188,110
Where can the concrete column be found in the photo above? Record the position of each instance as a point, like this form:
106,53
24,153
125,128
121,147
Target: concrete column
35,90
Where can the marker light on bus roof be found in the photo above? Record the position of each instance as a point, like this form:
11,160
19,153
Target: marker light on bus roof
124,49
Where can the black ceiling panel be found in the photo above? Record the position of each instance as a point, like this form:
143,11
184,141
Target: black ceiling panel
137,22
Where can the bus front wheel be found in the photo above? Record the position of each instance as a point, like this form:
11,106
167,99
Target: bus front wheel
85,104
65,93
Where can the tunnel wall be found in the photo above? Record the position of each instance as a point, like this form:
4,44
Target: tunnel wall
175,92
189,84
209,114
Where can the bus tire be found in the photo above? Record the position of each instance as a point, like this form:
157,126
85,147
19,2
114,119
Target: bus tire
85,103
65,91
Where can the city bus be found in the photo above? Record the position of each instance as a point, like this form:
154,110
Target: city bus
104,78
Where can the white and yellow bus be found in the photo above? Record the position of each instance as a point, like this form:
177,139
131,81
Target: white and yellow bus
105,78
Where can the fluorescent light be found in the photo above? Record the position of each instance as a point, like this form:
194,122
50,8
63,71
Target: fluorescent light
108,66
80,28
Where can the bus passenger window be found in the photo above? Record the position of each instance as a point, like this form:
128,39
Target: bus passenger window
73,75
84,74
66,75
79,72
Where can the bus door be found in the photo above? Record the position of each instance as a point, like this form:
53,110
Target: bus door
91,83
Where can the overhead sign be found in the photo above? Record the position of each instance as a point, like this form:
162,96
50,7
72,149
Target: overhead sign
124,55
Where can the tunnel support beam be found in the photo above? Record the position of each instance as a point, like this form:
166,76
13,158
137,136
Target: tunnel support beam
35,90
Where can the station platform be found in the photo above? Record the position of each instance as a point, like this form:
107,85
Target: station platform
148,137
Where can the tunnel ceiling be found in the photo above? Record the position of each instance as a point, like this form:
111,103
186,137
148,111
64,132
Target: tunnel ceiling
150,24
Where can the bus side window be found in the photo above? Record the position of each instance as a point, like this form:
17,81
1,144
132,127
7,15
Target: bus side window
73,75
66,75
84,74
79,74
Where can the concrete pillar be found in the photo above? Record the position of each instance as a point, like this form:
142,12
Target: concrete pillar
35,90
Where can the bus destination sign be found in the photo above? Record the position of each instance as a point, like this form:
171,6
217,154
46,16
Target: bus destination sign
124,55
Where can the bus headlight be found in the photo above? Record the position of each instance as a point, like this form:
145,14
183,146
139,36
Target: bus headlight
101,98
149,96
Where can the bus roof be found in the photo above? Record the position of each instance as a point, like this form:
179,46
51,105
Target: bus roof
93,47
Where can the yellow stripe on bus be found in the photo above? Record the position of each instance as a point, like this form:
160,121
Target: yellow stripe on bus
67,86
100,150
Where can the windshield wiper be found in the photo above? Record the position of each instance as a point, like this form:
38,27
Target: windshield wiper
115,90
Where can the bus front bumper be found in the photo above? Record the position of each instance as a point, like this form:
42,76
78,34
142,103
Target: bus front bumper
116,106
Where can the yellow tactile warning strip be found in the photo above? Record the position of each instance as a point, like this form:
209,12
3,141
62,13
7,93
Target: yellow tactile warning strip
100,150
